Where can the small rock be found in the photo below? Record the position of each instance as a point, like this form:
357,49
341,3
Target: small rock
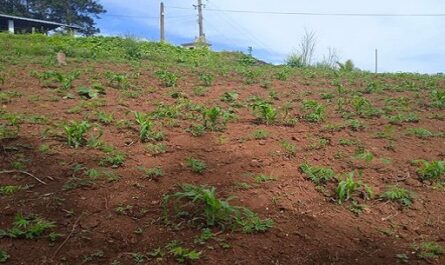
413,182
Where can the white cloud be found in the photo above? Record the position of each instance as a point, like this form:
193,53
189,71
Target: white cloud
404,43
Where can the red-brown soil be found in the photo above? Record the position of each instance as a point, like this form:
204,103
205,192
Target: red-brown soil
309,226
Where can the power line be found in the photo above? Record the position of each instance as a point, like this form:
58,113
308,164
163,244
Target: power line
318,14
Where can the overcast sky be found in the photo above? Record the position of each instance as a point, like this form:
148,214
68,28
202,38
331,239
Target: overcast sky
414,44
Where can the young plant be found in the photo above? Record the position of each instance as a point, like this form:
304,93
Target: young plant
347,187
75,133
196,129
145,126
28,227
207,79
196,165
115,159
4,256
152,173
433,170
318,175
420,132
290,150
168,78
398,194
438,99
205,209
265,112
430,251
105,118
118,81
313,111
260,134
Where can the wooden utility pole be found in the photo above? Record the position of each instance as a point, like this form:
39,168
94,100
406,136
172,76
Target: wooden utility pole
376,60
162,22
200,20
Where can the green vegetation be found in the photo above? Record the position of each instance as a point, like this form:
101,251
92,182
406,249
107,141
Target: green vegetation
4,256
429,251
398,194
433,170
265,111
27,227
196,165
206,209
313,111
75,133
318,175
347,187
168,78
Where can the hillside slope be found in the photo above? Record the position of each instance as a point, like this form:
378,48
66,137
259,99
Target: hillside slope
329,167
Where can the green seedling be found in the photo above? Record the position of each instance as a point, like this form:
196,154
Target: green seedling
205,209
318,175
196,165
313,111
433,170
398,194
75,133
347,187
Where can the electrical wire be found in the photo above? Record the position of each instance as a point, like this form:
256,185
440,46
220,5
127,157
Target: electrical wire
318,14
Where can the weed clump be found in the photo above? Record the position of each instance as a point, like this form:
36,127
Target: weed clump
318,175
75,133
204,209
433,170
398,194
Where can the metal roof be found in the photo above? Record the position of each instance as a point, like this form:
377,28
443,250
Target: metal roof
38,21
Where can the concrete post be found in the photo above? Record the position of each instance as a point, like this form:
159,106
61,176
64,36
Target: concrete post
11,26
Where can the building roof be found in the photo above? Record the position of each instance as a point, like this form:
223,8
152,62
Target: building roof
48,24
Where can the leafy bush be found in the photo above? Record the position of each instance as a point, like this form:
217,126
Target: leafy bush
75,133
202,205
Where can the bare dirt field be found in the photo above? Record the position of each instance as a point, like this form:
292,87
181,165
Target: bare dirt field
337,168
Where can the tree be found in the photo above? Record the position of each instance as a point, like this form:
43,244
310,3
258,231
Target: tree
80,13
305,54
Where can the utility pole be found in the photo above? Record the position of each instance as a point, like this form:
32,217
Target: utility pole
200,20
162,22
376,60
